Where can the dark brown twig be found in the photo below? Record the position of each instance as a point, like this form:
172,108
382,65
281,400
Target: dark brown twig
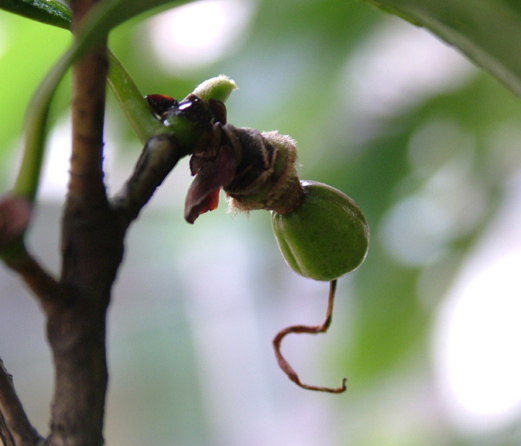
89,73
17,429
5,435
44,286
92,248
158,158
284,365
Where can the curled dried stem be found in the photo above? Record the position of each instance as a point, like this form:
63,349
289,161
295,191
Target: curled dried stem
314,329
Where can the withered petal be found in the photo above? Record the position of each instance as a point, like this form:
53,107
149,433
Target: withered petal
203,194
208,203
197,163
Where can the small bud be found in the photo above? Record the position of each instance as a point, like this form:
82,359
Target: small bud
218,88
15,213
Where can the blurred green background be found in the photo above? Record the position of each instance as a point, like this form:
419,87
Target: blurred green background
427,330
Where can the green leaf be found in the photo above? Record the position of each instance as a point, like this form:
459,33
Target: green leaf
487,31
50,12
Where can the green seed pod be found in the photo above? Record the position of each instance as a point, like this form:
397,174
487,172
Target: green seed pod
326,236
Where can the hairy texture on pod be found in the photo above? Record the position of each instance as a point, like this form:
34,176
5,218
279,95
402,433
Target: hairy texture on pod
326,236
266,177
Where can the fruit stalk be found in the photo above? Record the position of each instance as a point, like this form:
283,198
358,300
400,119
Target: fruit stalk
284,365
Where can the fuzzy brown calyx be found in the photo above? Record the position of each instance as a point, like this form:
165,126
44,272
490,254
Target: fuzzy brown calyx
266,177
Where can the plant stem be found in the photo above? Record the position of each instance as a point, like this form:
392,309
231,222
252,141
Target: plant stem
16,428
92,251
136,108
314,329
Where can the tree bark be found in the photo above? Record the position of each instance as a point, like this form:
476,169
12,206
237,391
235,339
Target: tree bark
92,250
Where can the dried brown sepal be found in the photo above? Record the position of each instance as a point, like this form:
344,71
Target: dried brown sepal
284,365
203,194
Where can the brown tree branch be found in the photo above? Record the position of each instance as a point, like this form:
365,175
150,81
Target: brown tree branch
86,186
6,438
87,112
159,156
42,284
92,248
15,428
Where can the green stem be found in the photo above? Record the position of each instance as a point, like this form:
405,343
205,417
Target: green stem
35,132
136,108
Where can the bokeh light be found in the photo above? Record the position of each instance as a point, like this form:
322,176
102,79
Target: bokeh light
478,331
199,33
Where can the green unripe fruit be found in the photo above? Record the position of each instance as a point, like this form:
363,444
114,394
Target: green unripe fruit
326,236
